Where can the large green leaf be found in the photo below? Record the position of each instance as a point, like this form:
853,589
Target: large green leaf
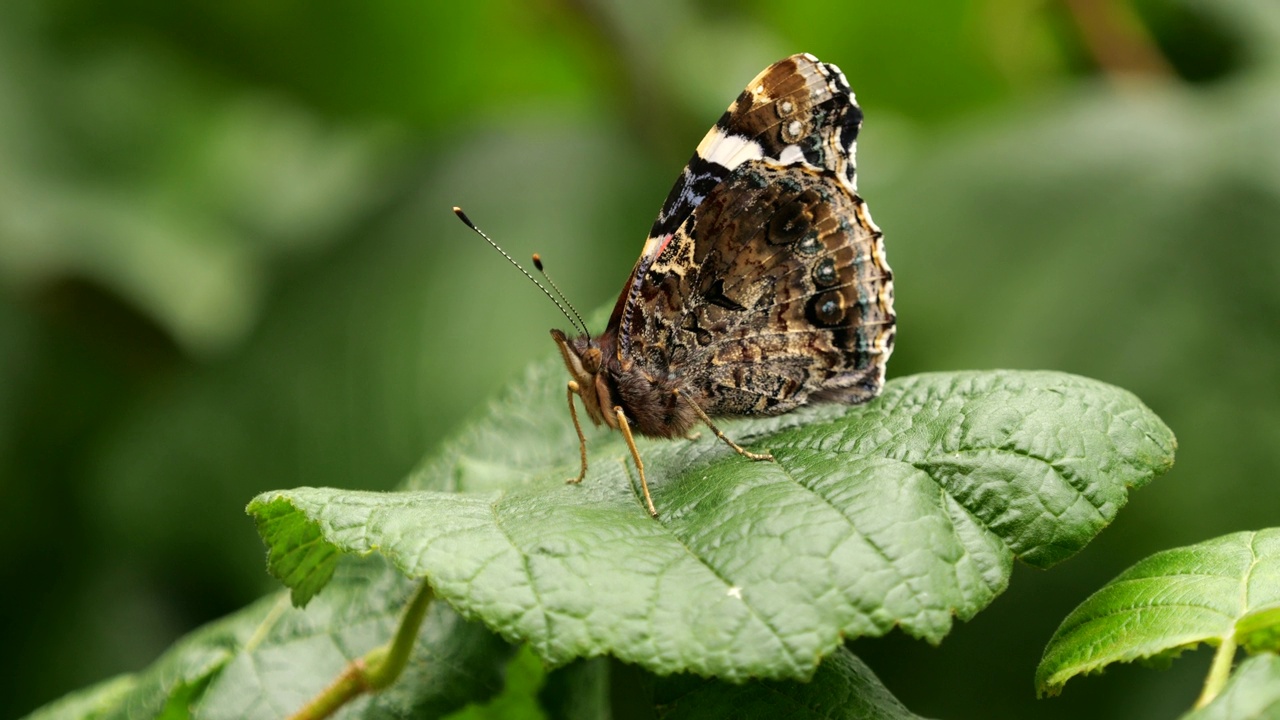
905,512
267,660
1225,589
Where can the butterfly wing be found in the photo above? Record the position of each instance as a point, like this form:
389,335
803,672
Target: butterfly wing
797,110
773,293
764,282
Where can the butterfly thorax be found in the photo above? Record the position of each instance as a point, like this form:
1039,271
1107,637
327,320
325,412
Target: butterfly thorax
604,381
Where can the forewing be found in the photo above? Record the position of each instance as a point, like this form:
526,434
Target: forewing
797,111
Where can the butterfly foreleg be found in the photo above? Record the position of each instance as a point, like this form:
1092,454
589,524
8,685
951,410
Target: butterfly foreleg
582,439
625,427
720,433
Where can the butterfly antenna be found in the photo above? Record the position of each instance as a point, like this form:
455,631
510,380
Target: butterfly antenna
537,263
467,221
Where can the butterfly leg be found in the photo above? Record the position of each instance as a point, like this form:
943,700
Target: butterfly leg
582,439
720,434
625,427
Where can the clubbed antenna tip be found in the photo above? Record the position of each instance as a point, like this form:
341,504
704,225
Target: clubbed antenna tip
463,217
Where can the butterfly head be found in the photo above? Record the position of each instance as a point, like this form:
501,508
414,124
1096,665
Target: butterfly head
584,359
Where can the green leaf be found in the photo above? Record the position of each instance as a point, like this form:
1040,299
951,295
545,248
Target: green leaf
519,697
905,512
299,653
181,672
584,689
1225,589
842,688
1252,693
92,701
1259,632
302,560
268,659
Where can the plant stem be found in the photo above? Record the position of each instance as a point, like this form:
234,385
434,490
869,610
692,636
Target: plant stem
394,658
1117,38
379,668
345,688
1219,671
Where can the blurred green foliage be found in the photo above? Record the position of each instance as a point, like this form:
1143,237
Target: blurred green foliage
227,264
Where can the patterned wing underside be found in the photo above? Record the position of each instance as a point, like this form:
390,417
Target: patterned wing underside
798,110
773,293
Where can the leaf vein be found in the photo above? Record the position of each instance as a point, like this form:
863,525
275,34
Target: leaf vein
528,572
755,612
911,582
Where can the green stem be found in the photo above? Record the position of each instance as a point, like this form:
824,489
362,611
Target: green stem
345,688
393,659
379,668
1219,671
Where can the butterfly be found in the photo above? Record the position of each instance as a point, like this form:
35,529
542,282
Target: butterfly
762,286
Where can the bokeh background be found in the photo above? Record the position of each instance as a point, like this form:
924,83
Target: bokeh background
227,264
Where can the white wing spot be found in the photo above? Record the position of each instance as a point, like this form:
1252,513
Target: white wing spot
735,592
792,155
729,151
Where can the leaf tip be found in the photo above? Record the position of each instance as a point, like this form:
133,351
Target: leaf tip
298,555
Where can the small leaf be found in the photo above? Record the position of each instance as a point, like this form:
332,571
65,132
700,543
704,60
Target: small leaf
1252,693
184,669
584,689
904,512
293,655
1223,589
843,688
1259,632
91,702
268,659
518,700
302,561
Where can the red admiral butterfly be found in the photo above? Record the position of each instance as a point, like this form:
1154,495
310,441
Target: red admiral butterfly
763,285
